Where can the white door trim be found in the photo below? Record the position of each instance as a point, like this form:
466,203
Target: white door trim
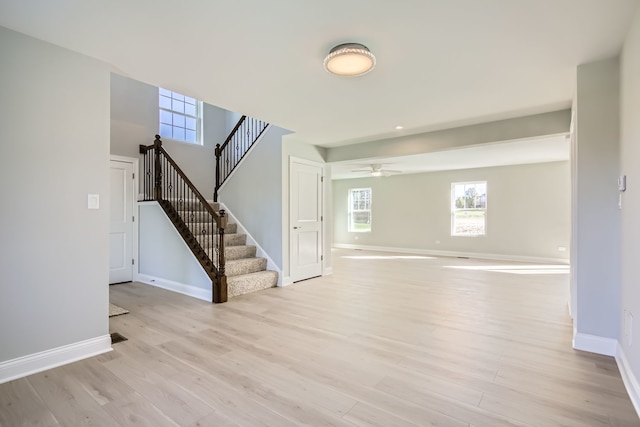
321,201
134,200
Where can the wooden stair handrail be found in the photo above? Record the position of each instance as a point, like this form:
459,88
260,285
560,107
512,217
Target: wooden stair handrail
258,127
233,131
221,219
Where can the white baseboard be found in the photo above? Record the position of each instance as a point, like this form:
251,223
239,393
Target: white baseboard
48,359
595,344
286,281
181,288
327,271
498,257
630,381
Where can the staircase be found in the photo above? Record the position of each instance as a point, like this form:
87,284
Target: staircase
245,272
222,252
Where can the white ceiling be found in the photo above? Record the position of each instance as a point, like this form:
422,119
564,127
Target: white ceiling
440,63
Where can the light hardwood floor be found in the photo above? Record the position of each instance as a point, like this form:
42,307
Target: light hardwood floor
385,341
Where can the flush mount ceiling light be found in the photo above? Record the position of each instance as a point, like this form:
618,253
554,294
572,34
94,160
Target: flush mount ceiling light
349,59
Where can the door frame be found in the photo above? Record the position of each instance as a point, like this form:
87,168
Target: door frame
134,207
321,202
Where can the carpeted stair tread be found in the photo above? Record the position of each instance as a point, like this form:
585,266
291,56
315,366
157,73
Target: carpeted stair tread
252,282
236,267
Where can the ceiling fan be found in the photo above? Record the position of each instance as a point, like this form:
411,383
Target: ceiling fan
377,170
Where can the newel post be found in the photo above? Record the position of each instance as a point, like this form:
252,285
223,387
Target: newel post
218,155
220,288
157,144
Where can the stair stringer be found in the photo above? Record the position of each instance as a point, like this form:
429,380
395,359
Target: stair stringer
271,265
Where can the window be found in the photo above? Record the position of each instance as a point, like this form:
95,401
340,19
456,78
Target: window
360,209
180,117
468,208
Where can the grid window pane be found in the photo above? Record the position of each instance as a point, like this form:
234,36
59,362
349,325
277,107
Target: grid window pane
177,106
191,123
165,102
468,209
178,120
190,109
165,117
178,133
359,210
180,116
166,131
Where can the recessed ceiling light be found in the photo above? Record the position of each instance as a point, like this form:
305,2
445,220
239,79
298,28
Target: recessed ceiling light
399,127
350,59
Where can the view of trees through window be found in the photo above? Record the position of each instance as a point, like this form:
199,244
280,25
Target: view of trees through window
360,209
468,208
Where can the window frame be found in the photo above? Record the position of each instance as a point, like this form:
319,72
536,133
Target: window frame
351,211
180,98
455,209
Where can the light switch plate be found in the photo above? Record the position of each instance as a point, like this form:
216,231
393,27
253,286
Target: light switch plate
93,201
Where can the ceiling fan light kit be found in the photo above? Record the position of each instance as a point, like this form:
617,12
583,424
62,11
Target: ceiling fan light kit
376,170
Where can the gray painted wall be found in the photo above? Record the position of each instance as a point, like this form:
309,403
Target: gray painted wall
163,252
528,211
630,214
134,121
54,129
596,215
254,193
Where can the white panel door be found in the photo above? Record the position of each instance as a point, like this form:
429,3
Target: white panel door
306,221
121,225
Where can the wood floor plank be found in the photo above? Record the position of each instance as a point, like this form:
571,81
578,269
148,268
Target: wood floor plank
20,405
68,400
135,410
364,415
386,340
98,381
231,402
176,403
